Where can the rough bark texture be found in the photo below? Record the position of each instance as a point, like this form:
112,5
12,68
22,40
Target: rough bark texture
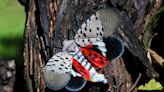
49,22
7,75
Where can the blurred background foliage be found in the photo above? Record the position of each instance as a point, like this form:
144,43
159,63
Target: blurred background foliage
12,23
12,20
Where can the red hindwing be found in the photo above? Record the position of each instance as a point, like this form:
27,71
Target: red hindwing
95,58
82,70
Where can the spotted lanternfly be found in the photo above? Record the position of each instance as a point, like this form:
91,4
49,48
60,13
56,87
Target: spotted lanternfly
80,53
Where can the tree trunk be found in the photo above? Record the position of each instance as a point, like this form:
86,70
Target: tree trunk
8,75
49,22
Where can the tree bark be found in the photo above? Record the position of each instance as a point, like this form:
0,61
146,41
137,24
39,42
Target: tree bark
49,22
8,75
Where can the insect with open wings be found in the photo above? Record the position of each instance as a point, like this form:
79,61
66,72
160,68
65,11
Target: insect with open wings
88,51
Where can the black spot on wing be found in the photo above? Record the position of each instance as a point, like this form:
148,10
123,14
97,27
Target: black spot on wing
69,65
78,57
48,65
57,56
96,18
79,64
66,67
60,69
90,30
61,58
86,63
61,65
97,28
101,62
81,70
53,64
100,34
84,34
97,34
90,67
67,72
93,59
81,32
85,29
102,29
89,54
84,72
95,55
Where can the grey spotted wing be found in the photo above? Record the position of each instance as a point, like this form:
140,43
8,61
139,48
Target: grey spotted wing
92,28
101,24
57,72
110,19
